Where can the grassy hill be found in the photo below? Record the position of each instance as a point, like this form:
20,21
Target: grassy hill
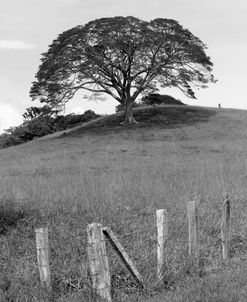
103,172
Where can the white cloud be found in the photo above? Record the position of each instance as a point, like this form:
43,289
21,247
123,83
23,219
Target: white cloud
15,44
9,117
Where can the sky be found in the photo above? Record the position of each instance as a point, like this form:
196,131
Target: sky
28,27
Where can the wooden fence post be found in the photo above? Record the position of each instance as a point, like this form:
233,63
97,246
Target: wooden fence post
43,256
225,229
98,262
162,234
123,255
192,207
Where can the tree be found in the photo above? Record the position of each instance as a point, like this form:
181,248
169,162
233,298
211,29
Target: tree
34,112
122,57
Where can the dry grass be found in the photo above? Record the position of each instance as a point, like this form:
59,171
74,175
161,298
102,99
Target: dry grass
104,173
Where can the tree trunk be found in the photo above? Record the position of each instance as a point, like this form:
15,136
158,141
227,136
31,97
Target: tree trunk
129,118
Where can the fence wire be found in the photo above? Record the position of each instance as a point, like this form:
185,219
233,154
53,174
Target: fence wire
140,243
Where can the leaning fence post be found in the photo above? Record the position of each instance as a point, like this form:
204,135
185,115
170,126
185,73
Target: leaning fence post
42,256
98,262
192,208
123,255
225,229
162,233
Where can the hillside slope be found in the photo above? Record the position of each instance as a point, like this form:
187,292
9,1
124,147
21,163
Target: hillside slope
149,116
102,172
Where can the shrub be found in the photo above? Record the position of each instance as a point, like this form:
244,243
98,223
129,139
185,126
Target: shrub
71,120
158,99
7,140
37,127
41,126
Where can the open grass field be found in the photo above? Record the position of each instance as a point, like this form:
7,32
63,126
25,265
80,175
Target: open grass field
118,177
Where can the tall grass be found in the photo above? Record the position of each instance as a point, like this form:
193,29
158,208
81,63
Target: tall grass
119,179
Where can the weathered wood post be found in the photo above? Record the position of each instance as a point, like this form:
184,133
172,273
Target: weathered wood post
162,234
225,229
43,256
123,256
193,219
98,263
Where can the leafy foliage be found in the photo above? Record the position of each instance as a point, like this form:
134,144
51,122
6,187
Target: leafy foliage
9,139
122,57
37,127
33,112
157,99
42,125
68,121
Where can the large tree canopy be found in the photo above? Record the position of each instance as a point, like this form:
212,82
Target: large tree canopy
122,57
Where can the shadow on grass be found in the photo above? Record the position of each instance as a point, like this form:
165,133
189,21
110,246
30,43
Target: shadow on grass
9,215
148,117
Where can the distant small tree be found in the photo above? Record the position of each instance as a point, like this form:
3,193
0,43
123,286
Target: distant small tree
31,113
122,57
34,112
